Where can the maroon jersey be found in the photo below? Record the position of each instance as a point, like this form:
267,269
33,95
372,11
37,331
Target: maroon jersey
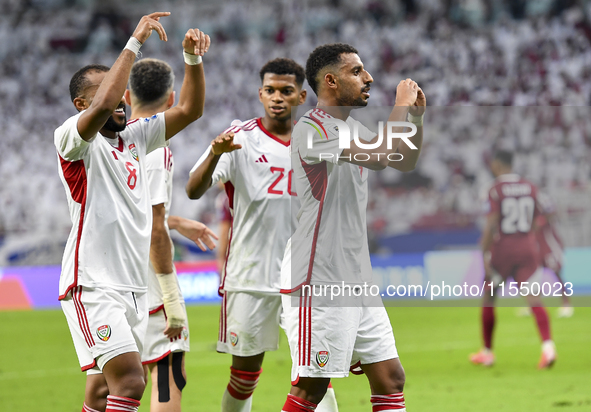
549,241
514,251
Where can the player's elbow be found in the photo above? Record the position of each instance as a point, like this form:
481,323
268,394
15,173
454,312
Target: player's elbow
192,112
193,192
378,164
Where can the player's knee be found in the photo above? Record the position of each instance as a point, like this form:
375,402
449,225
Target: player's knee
311,389
248,363
136,387
131,386
397,379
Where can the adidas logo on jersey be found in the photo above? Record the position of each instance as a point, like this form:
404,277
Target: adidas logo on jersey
262,159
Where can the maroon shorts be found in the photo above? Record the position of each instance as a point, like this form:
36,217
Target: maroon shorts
517,258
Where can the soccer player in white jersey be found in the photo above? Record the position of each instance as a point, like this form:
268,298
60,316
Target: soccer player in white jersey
167,339
104,270
329,246
252,159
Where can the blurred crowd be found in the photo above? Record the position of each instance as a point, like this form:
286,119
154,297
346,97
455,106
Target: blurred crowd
463,53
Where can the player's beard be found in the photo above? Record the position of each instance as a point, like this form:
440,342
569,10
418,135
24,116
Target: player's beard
354,99
113,126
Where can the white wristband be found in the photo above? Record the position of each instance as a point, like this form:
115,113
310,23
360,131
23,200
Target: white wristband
172,299
134,45
192,59
416,120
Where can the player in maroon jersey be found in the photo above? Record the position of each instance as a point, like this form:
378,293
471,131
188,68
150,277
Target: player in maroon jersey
551,247
510,250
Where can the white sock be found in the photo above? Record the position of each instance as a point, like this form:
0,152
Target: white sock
548,347
328,403
231,404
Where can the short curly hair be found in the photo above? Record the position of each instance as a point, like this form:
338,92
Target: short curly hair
284,66
79,81
324,56
151,81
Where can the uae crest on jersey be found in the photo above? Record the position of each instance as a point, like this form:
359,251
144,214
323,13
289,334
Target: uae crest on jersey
133,152
233,338
322,358
104,332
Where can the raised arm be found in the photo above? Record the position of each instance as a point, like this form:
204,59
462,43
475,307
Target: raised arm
411,156
192,98
200,179
109,94
406,96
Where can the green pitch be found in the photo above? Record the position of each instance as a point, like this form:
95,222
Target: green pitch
39,370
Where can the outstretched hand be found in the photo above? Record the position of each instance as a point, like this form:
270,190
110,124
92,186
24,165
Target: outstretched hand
196,42
149,23
224,143
197,232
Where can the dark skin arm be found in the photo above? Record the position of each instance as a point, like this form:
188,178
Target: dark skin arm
200,179
192,97
108,96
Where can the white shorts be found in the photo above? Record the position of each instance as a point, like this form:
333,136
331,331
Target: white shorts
105,323
249,323
156,345
326,341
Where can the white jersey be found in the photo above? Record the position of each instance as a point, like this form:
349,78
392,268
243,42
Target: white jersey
106,186
258,181
329,244
160,171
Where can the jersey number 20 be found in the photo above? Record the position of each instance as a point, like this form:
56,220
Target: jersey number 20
517,214
281,172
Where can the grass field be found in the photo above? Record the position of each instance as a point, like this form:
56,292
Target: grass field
39,370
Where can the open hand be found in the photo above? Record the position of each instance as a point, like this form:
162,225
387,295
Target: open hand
224,143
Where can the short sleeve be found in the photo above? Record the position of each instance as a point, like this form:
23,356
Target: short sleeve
224,170
156,171
68,142
154,131
324,145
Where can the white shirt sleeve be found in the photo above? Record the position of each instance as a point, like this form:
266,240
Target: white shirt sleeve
156,171
224,170
154,131
323,148
68,142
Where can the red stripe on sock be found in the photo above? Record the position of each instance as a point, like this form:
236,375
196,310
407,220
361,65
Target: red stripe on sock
387,402
121,404
242,384
295,404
